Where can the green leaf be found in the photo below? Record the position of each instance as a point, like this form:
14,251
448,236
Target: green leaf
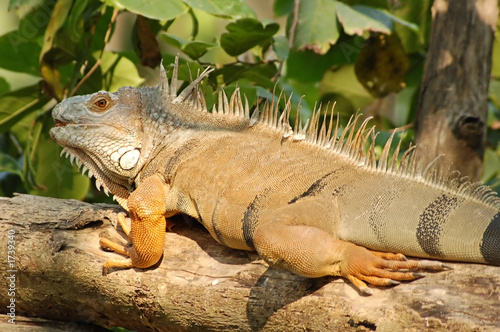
416,12
162,10
9,164
409,25
19,54
494,92
360,19
18,104
4,86
196,49
246,33
281,48
317,64
187,71
49,53
57,19
344,82
193,49
495,66
283,7
174,40
491,165
247,89
118,71
259,74
24,7
317,27
74,23
223,8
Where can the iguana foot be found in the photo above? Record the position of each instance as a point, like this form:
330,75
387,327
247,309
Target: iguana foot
108,245
362,266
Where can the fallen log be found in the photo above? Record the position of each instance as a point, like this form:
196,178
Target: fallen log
201,285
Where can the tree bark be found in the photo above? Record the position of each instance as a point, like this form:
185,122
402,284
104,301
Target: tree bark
452,111
201,285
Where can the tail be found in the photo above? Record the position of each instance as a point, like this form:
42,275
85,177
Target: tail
418,217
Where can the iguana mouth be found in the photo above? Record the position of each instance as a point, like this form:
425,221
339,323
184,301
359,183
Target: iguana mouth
90,167
59,123
87,165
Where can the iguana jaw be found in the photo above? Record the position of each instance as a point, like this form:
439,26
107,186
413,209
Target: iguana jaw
107,181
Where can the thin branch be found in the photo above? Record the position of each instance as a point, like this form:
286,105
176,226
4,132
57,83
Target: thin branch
295,21
98,62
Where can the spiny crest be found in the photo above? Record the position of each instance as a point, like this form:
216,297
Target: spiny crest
349,142
190,94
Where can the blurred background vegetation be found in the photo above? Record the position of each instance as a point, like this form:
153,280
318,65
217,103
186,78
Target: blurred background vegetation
329,51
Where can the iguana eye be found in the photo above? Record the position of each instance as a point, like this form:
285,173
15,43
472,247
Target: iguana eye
101,103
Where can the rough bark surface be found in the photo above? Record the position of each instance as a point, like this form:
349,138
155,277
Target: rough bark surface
452,111
201,285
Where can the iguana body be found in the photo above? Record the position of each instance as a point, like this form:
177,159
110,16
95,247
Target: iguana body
304,201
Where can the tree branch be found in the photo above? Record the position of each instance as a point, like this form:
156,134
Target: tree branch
201,285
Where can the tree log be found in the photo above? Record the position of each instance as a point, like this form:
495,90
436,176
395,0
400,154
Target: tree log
453,102
201,285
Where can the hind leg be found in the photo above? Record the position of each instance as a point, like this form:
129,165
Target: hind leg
289,239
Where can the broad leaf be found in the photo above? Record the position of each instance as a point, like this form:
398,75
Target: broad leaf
193,49
491,165
495,66
4,86
48,69
16,105
245,34
24,7
19,53
494,92
358,20
343,81
57,19
283,7
344,52
75,20
118,71
9,164
223,8
394,18
260,74
281,48
416,12
163,10
317,27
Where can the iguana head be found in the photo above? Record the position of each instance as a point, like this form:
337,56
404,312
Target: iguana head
113,134
104,132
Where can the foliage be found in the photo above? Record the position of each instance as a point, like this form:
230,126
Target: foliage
326,51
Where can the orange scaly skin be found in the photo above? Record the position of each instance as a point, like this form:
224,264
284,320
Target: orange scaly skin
310,200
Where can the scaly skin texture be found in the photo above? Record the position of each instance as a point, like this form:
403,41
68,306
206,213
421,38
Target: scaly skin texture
309,200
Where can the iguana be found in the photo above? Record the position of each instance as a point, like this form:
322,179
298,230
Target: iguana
310,199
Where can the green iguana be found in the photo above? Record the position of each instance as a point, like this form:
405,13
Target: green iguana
309,199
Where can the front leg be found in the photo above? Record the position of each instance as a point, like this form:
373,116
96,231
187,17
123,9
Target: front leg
146,206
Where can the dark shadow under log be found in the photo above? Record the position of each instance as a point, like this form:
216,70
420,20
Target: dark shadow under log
201,285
